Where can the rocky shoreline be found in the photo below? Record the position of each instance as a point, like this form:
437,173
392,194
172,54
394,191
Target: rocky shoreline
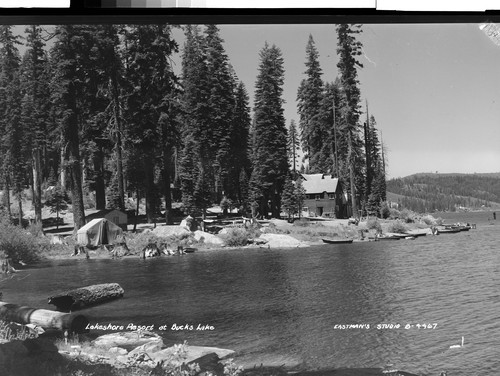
140,354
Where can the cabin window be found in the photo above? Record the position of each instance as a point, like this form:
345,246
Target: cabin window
317,197
331,196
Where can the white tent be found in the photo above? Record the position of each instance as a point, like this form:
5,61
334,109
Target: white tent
98,232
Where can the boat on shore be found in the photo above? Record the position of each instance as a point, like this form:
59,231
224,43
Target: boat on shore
388,237
449,230
336,241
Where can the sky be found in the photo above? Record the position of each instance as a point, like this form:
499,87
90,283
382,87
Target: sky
434,89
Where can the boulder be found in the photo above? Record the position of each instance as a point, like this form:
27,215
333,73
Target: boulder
166,231
282,241
127,339
193,354
208,238
149,348
118,350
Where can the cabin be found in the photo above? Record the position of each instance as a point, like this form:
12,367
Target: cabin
115,216
324,197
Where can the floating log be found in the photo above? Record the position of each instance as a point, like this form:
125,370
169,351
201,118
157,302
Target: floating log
44,318
86,296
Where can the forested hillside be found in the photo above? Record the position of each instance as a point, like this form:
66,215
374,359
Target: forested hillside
429,192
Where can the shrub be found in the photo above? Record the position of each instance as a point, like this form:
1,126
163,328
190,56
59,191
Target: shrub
398,227
407,216
12,332
374,224
394,213
385,211
138,241
302,223
19,244
236,237
429,220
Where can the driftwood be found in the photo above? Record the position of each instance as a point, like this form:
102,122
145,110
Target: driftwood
44,318
86,296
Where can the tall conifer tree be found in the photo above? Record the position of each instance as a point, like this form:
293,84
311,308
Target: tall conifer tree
35,108
309,97
270,165
348,49
9,104
67,85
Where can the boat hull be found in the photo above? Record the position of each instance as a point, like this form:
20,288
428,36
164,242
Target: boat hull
337,241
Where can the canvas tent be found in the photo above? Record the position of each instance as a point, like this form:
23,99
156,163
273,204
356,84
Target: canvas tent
98,232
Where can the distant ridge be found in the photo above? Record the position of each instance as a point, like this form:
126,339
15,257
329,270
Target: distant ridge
428,192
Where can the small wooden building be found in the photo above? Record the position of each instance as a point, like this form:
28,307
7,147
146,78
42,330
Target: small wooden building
324,196
115,216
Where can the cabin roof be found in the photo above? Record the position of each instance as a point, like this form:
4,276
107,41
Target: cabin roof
319,183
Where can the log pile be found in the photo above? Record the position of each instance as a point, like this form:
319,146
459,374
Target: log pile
86,296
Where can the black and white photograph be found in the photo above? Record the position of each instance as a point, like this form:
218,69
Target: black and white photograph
246,198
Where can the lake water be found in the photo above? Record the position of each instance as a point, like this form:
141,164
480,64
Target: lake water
282,306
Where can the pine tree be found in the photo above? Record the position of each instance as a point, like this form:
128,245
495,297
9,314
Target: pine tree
221,100
196,152
67,88
35,108
11,133
288,201
293,145
239,158
300,194
348,48
57,201
151,85
309,97
270,165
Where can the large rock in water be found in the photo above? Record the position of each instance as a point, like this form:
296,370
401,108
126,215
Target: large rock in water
86,296
208,238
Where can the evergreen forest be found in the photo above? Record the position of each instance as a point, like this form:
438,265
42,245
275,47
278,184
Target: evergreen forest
97,115
428,192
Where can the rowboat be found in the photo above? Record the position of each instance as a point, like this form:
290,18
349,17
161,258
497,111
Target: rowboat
336,241
448,230
387,237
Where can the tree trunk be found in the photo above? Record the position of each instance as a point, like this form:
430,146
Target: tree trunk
351,178
63,178
149,185
37,184
71,133
20,203
167,192
100,188
118,144
138,199
86,296
43,317
6,193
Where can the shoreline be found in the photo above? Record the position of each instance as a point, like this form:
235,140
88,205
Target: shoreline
275,234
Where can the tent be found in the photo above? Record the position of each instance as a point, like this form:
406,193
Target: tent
98,232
